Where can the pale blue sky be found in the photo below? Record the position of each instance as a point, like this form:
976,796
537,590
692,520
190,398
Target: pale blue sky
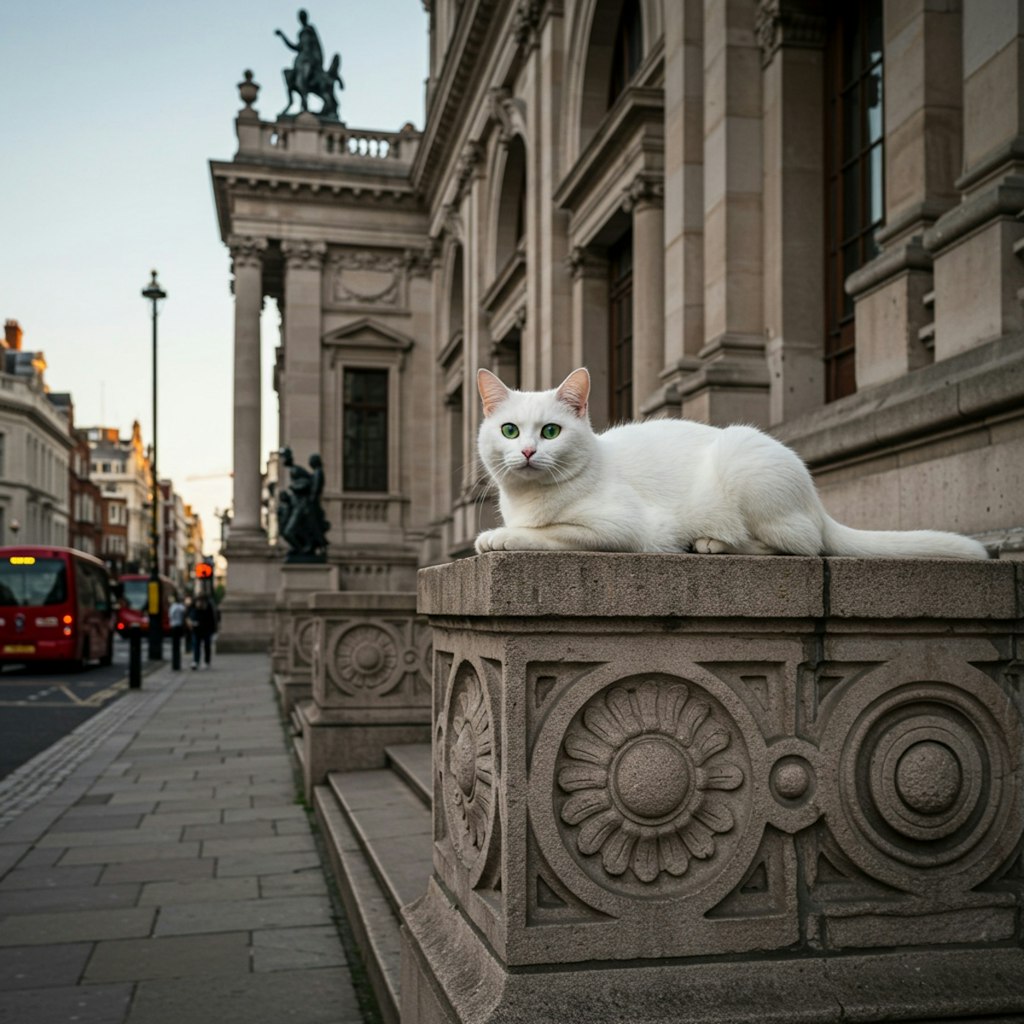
111,110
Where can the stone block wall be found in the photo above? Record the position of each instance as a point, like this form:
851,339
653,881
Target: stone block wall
722,785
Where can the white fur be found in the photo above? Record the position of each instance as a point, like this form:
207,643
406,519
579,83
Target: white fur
662,485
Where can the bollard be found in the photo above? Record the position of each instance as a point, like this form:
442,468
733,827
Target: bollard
134,657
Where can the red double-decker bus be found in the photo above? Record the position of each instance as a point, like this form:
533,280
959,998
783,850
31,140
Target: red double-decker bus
134,605
56,604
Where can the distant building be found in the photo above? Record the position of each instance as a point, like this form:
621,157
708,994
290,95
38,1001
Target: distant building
85,500
115,533
35,449
120,466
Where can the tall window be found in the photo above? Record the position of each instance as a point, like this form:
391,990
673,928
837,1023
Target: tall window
366,430
853,161
620,330
627,50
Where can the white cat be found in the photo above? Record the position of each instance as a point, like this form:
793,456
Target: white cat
661,485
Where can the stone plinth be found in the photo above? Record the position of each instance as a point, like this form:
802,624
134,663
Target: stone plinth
292,649
371,681
247,611
717,788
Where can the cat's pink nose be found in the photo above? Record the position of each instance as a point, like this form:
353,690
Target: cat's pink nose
529,453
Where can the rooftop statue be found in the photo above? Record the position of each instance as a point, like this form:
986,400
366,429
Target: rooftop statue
300,516
308,76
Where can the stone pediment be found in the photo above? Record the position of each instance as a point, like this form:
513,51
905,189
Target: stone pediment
367,333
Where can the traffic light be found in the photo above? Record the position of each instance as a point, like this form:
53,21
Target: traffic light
204,571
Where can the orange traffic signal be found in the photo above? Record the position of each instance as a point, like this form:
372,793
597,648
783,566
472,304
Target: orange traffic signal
204,571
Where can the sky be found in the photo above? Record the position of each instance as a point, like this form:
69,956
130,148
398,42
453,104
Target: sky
111,111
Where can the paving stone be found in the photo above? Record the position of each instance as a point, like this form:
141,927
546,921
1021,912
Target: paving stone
300,883
41,858
84,926
10,854
51,878
75,824
266,864
198,918
236,802
42,966
67,899
306,997
178,957
254,847
109,837
269,812
231,830
179,819
117,854
160,871
288,949
196,891
78,813
97,1004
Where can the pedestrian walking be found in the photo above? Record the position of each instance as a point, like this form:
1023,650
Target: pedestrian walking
203,622
176,618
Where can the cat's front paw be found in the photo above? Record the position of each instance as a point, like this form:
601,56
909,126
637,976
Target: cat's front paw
506,538
710,546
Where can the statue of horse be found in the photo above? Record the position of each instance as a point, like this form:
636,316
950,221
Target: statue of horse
321,83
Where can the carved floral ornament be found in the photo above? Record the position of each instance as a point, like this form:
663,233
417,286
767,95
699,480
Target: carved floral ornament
303,254
246,250
648,779
364,659
787,23
367,278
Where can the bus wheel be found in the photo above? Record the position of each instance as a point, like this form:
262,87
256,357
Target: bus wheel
108,658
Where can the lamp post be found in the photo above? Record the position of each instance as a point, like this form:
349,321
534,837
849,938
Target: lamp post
154,293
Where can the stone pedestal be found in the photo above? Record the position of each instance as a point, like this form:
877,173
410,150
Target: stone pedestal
692,788
371,681
247,611
291,654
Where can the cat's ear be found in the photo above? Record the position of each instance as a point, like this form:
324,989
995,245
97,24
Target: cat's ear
492,391
575,390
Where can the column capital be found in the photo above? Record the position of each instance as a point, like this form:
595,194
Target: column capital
302,254
643,190
788,23
583,262
468,166
247,250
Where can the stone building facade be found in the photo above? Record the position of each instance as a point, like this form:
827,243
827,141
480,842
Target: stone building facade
788,213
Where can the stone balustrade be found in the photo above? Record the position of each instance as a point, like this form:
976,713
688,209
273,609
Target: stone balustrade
370,681
693,788
306,137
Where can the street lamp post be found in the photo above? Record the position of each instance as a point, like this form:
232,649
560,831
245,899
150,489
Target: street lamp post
154,293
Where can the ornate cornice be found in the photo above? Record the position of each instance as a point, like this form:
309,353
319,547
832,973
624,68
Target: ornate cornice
302,254
787,23
246,250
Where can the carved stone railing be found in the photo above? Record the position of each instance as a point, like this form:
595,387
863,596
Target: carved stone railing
370,681
306,137
705,788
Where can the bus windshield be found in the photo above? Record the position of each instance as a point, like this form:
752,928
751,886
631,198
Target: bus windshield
136,594
27,582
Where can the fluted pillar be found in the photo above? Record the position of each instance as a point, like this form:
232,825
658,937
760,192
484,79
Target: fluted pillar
247,260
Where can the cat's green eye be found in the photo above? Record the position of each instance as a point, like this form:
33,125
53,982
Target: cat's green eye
550,431
510,430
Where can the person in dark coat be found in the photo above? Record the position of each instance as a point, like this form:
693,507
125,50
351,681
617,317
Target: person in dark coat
203,622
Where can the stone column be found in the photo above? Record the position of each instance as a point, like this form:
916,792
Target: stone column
684,198
792,42
732,382
978,272
300,427
644,200
247,261
683,789
590,325
923,116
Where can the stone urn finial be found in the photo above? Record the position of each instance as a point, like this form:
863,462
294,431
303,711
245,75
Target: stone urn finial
248,90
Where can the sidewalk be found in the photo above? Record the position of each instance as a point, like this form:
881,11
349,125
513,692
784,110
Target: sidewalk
155,867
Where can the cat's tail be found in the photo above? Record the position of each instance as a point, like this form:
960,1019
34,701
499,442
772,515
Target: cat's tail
844,540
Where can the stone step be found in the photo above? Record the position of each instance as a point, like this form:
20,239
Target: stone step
414,763
393,827
300,753
375,924
295,721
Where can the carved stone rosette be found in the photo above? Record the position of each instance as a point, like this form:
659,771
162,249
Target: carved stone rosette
466,749
647,779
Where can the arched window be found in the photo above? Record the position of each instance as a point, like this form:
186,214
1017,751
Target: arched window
511,226
627,51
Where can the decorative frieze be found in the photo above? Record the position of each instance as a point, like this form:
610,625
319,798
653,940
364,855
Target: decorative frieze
361,278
